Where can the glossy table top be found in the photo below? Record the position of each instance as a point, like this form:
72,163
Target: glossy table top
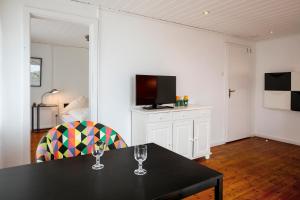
169,176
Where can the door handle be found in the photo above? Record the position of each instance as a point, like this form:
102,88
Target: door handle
230,91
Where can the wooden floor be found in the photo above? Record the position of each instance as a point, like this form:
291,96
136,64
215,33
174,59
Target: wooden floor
256,169
253,169
35,139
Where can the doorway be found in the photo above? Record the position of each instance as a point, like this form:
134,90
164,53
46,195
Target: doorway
59,75
61,67
239,91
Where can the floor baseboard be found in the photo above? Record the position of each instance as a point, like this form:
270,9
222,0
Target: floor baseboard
279,139
217,143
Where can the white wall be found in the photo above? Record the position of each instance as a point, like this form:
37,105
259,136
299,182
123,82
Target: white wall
43,51
47,116
134,45
1,92
11,81
71,72
277,55
64,68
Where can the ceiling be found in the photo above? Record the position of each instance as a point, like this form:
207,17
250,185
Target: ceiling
250,19
58,32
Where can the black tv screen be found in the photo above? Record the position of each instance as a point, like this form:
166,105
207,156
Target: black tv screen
155,90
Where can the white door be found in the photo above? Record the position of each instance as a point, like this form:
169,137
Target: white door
201,138
160,134
183,138
239,92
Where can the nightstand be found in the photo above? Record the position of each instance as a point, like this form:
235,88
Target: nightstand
38,110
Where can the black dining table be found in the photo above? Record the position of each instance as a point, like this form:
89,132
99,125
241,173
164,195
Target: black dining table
169,176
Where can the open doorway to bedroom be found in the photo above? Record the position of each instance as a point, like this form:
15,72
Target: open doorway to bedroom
59,75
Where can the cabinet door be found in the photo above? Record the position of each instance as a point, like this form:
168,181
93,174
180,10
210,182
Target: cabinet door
201,138
161,134
183,138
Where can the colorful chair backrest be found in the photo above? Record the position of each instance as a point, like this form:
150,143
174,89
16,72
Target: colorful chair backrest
76,138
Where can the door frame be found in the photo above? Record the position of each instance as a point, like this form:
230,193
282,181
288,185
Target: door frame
94,66
226,87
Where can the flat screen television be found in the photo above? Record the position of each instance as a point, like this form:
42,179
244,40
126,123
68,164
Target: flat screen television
155,90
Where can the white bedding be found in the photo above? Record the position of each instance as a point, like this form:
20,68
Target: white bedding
79,114
80,102
77,110
67,118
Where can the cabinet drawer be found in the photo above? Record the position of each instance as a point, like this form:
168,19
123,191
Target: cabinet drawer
158,117
183,115
202,114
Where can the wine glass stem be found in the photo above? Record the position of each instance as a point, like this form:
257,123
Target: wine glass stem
140,166
98,160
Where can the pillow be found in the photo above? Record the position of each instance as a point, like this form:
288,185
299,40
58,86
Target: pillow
80,114
80,102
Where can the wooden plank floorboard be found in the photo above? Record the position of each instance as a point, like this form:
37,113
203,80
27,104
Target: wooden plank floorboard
256,170
35,139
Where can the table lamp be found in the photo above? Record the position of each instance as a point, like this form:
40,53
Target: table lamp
53,91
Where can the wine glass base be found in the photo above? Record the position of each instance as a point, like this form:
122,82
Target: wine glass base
97,167
140,172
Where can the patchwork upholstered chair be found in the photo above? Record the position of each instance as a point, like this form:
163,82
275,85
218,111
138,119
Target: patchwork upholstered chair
74,139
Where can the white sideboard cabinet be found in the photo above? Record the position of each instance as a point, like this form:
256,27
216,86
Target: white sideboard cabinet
185,131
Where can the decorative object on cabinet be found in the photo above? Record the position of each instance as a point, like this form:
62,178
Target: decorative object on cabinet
177,104
185,100
184,130
282,91
53,91
36,72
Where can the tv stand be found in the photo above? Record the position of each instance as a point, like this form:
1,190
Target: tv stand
153,107
184,130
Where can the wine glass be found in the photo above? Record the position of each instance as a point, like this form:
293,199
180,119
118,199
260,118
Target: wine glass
140,155
98,150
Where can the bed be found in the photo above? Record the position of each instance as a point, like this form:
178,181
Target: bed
67,118
76,110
